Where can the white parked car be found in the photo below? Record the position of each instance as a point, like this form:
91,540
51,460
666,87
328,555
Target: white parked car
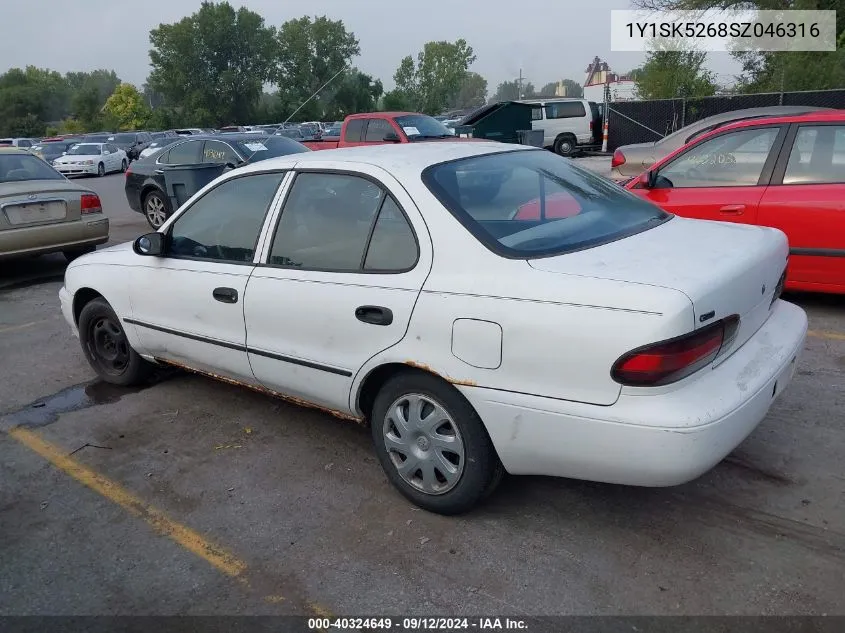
557,326
92,159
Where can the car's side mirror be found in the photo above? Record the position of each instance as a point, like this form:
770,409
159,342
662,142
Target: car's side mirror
648,179
150,244
391,137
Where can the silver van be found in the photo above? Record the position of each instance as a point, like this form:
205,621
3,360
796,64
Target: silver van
569,125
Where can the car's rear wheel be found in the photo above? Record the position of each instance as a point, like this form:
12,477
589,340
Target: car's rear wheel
156,209
106,346
70,255
566,145
432,445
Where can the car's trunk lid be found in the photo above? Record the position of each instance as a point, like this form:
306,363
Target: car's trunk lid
33,203
724,268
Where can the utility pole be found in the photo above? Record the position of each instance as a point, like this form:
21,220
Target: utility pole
520,85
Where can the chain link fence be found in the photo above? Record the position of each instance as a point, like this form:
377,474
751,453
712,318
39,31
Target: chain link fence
649,121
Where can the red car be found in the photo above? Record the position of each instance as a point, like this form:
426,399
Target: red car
786,172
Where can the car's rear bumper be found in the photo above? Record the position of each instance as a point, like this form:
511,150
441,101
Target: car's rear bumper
51,238
664,439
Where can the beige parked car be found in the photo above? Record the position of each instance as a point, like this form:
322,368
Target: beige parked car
632,160
41,211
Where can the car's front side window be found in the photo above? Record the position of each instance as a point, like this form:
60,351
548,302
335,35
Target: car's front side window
735,159
342,223
225,223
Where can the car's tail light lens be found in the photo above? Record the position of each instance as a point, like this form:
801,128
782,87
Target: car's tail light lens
618,159
90,203
127,172
669,361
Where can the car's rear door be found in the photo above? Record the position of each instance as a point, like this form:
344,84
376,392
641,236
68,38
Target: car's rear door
721,178
354,132
341,274
806,200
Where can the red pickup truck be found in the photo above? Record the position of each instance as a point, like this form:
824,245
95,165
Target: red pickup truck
380,128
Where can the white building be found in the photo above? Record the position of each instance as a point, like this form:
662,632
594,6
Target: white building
599,76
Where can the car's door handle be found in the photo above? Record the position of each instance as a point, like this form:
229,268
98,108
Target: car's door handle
376,315
733,209
225,295
159,171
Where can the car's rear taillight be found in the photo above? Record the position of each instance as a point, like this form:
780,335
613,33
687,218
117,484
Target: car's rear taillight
90,203
669,361
618,159
127,172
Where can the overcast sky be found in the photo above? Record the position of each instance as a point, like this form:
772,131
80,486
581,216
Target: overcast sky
548,39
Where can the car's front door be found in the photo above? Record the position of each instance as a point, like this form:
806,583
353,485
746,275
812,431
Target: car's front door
348,257
188,305
114,158
722,178
806,200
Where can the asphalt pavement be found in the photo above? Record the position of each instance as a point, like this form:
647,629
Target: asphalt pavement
195,497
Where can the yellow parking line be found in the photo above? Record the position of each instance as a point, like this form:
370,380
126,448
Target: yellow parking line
833,336
22,326
184,536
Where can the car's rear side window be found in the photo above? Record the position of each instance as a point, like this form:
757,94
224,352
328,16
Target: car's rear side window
354,128
565,109
817,156
532,203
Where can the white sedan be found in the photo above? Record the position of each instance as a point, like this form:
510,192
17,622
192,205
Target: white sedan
485,307
92,159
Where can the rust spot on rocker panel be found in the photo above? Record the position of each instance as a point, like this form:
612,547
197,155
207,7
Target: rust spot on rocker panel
454,381
264,390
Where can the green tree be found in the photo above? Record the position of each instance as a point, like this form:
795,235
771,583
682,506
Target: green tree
30,98
436,77
213,64
471,94
309,53
573,89
675,73
357,92
549,89
509,91
127,106
775,71
395,101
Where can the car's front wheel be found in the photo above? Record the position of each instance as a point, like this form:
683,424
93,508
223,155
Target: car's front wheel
101,170
432,445
123,166
106,346
156,209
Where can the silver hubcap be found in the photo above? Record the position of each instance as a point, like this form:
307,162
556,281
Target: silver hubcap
155,211
424,444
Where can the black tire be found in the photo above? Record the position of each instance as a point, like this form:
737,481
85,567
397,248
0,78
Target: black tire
156,200
481,468
566,145
106,347
101,170
78,252
123,166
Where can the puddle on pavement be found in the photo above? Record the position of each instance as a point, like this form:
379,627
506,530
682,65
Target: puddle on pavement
45,411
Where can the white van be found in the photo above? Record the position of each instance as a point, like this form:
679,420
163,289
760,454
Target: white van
569,125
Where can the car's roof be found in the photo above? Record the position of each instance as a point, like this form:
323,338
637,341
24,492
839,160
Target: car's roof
404,157
6,149
380,115
821,116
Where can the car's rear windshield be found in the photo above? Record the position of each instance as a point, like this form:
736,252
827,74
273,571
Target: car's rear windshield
533,203
85,149
97,138
123,138
262,148
18,167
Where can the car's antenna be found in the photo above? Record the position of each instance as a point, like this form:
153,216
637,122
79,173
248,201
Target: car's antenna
311,97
